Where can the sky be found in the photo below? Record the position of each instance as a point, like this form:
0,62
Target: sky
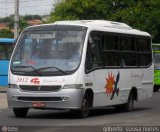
26,7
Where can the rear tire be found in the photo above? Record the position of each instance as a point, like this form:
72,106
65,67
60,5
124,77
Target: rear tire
20,112
156,88
127,107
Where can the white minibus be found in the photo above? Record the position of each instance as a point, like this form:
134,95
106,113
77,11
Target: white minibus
80,65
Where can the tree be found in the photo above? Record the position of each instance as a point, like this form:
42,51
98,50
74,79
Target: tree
143,15
30,17
6,33
79,9
140,14
22,21
22,24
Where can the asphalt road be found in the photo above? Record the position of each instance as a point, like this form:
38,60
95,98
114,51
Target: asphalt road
146,113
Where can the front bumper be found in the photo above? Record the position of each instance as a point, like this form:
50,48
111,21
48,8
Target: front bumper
63,99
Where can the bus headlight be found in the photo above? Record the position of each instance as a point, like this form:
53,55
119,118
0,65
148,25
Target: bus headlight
77,86
13,86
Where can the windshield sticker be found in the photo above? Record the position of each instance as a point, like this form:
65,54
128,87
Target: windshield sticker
111,86
31,62
42,35
16,62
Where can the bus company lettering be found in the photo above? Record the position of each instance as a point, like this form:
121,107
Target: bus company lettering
135,75
22,80
35,81
26,80
53,81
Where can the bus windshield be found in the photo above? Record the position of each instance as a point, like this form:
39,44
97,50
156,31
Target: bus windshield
48,53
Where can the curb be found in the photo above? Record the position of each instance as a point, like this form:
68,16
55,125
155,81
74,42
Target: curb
3,100
3,89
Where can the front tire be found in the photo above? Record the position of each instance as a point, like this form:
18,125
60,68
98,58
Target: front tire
84,111
20,112
156,88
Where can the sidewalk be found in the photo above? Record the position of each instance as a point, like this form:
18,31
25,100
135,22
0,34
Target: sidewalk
3,98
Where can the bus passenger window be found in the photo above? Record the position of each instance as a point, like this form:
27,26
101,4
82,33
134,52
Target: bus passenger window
110,42
112,59
130,59
144,51
9,51
127,44
145,59
143,44
2,52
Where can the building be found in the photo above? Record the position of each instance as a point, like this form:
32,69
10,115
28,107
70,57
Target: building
3,26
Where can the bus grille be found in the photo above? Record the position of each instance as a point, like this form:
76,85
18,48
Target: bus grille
40,88
39,98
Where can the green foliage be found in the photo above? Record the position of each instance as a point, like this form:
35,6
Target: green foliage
8,19
140,14
22,22
30,17
156,77
143,15
79,9
10,23
6,33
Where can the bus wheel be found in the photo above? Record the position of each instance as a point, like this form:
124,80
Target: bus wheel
127,107
130,104
20,112
156,88
84,111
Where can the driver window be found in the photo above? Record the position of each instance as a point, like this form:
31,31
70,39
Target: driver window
93,58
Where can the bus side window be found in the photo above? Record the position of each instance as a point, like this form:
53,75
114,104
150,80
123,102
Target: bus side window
128,51
144,52
110,50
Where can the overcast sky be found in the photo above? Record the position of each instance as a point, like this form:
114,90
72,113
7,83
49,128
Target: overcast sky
40,7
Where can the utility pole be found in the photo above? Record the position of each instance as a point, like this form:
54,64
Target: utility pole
16,19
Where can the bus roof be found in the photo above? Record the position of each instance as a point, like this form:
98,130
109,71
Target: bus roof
109,26
6,40
100,23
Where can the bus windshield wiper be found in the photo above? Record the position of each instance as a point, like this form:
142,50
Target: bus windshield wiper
28,67
53,67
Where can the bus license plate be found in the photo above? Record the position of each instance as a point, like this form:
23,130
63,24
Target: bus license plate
38,104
